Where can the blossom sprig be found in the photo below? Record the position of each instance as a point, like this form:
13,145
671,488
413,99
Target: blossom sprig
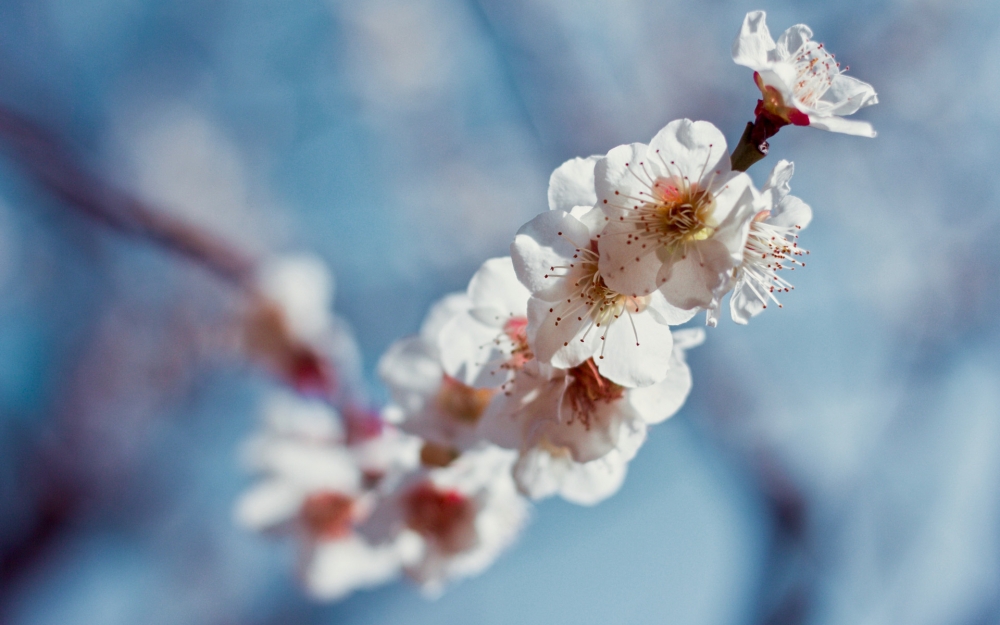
544,376
801,83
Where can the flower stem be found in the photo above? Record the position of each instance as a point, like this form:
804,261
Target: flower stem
748,151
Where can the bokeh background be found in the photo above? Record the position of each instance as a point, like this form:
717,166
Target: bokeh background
838,461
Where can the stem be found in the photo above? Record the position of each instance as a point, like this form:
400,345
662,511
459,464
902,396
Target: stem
748,151
52,164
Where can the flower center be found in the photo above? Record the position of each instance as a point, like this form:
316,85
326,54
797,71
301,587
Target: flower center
445,517
768,250
328,515
815,69
772,107
463,403
516,329
592,297
587,387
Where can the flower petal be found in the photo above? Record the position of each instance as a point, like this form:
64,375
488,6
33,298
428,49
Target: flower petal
439,314
542,247
496,293
751,47
695,150
791,40
572,184
848,94
268,504
560,342
853,127
636,350
693,280
660,401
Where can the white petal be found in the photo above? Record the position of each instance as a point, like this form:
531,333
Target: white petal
791,40
587,438
572,184
496,289
695,279
411,371
696,150
340,567
846,95
791,212
268,504
665,312
538,474
662,400
754,42
439,314
617,185
780,178
734,199
544,245
473,353
744,304
636,350
686,339
625,267
560,343
853,127
590,483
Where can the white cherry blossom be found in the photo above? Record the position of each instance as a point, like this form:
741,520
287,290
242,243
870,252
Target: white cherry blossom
483,346
575,430
771,246
799,80
426,401
456,520
312,486
573,315
676,214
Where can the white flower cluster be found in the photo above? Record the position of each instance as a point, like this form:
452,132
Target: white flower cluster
542,378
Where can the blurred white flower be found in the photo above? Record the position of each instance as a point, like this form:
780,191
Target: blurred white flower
313,486
572,313
484,345
676,213
303,287
770,247
800,82
427,402
456,520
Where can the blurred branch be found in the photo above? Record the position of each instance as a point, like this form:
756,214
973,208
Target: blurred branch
52,164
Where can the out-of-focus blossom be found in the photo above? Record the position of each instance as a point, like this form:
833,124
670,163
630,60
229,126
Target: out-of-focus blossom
572,314
483,346
454,520
771,246
676,213
312,485
289,317
426,401
800,82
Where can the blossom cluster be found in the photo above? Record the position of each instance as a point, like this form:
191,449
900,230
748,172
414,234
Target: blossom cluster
542,378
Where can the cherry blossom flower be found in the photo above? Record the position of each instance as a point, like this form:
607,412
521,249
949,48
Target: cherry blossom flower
456,520
483,346
426,401
575,430
572,314
312,486
676,215
799,80
771,246
290,327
